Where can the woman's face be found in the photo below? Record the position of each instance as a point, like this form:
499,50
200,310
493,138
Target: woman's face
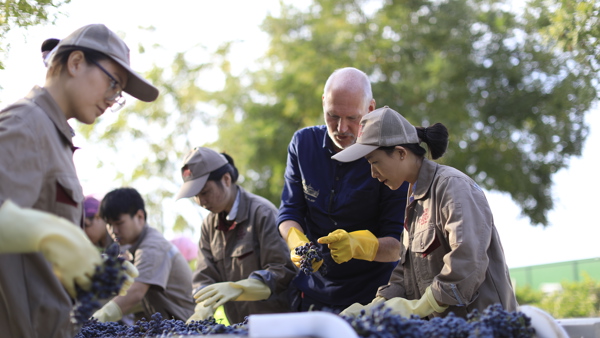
95,229
214,197
390,170
93,87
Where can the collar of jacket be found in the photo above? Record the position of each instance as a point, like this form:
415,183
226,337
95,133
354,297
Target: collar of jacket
243,207
426,176
42,98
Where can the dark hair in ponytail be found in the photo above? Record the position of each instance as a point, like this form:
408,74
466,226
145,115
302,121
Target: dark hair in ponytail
436,138
230,168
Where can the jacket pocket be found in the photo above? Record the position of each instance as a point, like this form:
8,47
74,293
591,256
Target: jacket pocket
425,242
68,198
243,250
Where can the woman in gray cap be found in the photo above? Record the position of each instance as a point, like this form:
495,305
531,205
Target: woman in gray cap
243,263
451,259
44,253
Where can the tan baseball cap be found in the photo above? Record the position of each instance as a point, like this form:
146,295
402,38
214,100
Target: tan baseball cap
383,127
99,38
197,166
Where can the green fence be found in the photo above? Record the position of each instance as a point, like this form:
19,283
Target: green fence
538,276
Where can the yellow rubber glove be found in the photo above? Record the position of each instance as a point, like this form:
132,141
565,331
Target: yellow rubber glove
63,244
355,309
344,246
110,312
201,312
422,307
218,294
131,272
294,239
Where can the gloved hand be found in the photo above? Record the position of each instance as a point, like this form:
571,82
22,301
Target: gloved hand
131,272
354,309
63,244
294,239
422,307
110,312
218,294
201,312
344,246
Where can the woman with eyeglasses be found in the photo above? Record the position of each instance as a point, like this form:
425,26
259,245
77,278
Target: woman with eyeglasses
44,252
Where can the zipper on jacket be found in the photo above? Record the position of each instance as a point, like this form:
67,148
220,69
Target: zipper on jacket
330,204
456,295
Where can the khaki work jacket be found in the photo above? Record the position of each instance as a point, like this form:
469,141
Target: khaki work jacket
253,248
450,242
36,171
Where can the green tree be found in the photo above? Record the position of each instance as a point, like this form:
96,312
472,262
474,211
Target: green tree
573,24
513,102
21,13
514,106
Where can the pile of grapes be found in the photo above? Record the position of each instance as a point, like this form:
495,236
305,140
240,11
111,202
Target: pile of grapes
309,252
106,283
159,327
493,322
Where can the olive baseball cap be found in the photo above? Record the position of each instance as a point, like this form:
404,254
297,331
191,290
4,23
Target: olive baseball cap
383,127
197,166
99,38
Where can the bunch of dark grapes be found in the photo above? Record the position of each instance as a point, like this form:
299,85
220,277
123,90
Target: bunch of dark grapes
159,327
380,323
494,322
106,283
503,323
309,252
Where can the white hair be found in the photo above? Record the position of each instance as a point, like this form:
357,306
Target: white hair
350,77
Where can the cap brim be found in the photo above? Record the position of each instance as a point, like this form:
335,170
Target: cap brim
137,86
192,188
354,152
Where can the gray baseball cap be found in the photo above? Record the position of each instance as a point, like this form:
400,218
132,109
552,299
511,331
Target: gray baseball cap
383,127
197,166
99,38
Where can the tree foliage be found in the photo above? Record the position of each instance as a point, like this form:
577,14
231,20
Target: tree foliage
511,95
573,24
574,300
23,13
514,106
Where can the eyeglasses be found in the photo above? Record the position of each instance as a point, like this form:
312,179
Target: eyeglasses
113,94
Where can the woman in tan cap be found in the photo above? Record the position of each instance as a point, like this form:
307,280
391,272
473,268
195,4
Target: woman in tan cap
451,259
44,253
243,263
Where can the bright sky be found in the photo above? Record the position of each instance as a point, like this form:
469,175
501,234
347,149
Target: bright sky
182,24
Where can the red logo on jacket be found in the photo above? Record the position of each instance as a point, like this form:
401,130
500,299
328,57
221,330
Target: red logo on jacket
425,217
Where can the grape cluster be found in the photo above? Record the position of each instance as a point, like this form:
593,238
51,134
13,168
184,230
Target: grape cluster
159,327
493,322
106,283
309,252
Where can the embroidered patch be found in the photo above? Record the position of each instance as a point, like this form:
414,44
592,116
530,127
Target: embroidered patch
424,217
310,191
360,130
187,174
